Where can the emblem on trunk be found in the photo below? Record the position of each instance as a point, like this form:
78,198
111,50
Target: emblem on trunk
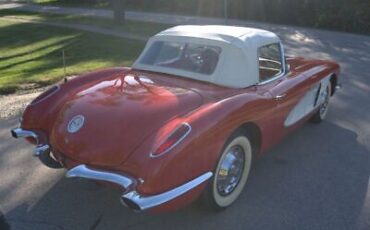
75,123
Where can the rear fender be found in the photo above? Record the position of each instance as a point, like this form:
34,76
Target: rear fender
198,153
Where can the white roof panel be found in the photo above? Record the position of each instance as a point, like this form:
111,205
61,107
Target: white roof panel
238,64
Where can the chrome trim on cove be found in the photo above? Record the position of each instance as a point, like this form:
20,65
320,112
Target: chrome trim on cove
176,143
84,172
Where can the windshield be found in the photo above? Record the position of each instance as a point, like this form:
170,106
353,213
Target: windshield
190,57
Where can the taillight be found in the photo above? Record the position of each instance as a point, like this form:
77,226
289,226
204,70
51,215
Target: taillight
172,140
46,94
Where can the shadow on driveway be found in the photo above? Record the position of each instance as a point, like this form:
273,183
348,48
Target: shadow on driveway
317,178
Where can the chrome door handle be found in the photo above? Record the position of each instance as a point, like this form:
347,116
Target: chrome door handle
279,97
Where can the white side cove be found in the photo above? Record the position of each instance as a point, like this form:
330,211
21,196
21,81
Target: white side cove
308,103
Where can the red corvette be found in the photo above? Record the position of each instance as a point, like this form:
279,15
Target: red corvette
188,119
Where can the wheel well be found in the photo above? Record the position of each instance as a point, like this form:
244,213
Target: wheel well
333,83
253,132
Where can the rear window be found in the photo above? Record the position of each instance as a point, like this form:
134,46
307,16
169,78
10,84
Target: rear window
190,57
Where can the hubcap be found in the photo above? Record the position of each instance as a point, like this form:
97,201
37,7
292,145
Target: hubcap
231,170
324,106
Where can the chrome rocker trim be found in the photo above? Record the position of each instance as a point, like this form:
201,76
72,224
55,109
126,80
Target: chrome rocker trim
21,133
131,198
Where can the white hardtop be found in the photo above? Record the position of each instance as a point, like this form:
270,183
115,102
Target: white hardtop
238,62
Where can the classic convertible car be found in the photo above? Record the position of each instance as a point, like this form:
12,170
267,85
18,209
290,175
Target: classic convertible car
185,121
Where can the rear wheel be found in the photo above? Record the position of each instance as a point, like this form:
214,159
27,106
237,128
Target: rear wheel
231,173
321,113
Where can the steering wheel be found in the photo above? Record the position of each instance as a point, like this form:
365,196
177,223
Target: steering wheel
196,58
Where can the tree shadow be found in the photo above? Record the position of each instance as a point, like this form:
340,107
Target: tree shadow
57,43
84,51
317,178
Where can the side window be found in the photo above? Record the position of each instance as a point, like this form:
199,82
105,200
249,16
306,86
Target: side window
270,63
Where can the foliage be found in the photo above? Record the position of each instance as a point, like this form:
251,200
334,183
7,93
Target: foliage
345,15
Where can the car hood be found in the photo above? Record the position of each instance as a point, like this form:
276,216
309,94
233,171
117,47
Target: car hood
118,113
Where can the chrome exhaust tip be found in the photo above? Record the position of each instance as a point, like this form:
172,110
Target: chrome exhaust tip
128,203
21,133
14,133
41,149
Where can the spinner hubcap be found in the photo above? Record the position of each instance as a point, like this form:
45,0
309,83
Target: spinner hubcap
231,170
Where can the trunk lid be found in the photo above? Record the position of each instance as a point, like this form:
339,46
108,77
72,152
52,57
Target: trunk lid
118,113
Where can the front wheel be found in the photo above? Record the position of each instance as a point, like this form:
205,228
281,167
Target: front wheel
321,113
231,173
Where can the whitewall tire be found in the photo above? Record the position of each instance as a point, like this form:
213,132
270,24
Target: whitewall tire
231,173
322,111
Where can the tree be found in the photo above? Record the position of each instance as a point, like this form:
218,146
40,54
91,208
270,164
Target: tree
118,11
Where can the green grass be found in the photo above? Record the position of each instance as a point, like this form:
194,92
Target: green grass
32,53
140,28
87,4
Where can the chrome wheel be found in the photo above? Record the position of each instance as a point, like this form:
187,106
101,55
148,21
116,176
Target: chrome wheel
324,106
322,111
230,172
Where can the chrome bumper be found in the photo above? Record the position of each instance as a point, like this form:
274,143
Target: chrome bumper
84,172
21,133
131,198
42,151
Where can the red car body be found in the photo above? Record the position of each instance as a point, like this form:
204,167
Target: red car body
128,113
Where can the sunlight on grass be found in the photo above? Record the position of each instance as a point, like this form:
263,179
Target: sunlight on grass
134,27
32,53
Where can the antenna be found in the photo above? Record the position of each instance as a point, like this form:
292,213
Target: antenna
64,66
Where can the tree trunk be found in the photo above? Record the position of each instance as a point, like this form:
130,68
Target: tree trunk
118,11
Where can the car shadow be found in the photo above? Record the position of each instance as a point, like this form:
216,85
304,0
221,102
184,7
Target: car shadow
317,178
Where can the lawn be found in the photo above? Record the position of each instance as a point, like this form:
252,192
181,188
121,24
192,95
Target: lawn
140,28
32,53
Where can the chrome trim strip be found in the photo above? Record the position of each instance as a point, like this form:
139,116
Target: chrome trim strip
147,202
21,133
176,143
84,172
40,149
57,88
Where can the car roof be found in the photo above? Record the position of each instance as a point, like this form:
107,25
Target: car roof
238,63
231,34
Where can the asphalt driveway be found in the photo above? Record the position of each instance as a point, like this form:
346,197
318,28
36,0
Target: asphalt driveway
317,178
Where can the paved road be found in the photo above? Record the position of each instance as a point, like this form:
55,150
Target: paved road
317,178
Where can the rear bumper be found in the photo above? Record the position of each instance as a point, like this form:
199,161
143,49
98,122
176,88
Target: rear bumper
131,198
